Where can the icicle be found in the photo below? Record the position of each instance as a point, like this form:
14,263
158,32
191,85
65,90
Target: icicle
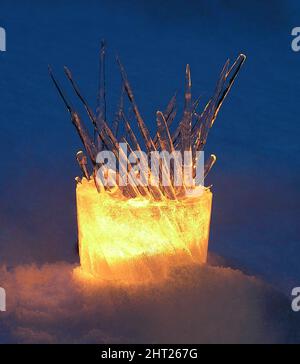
95,180
82,99
222,89
231,74
118,116
165,146
169,115
203,125
186,124
82,161
130,133
176,134
142,126
77,180
163,133
196,104
135,143
155,191
209,164
85,137
197,145
82,131
166,143
170,107
101,132
209,113
101,100
119,152
58,88
143,190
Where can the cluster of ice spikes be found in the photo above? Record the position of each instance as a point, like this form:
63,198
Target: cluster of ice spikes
190,133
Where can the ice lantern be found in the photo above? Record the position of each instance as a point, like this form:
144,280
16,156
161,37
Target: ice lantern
139,239
136,234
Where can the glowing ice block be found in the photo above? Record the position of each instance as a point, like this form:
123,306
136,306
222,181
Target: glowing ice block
135,240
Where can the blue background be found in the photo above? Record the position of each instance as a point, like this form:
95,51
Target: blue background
255,224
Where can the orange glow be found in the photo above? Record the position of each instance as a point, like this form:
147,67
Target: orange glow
136,240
